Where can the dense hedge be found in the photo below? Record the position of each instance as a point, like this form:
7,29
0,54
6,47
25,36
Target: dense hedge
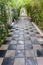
36,12
5,7
4,18
3,21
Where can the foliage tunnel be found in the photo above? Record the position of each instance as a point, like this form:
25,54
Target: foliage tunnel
10,10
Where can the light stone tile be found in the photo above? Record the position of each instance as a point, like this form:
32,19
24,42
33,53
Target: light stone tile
31,33
40,60
10,32
26,35
29,53
10,53
13,42
1,60
4,47
37,46
33,38
8,38
20,46
19,61
15,35
40,40
38,35
21,38
28,42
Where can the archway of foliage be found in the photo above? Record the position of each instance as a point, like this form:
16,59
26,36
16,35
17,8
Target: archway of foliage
17,5
10,10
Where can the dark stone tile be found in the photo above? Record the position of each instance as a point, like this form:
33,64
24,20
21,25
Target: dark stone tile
12,47
27,32
32,35
30,27
41,37
6,42
11,30
37,32
42,46
16,33
2,53
28,46
27,38
16,29
26,29
8,61
20,53
9,35
15,38
40,53
31,61
34,42
31,30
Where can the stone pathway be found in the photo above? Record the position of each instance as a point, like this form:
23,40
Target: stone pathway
22,46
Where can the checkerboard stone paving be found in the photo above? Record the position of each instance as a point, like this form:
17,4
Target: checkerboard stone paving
21,46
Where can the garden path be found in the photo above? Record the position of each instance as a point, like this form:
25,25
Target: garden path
22,46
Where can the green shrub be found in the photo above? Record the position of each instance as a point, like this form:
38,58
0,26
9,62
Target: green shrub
3,32
16,13
3,16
